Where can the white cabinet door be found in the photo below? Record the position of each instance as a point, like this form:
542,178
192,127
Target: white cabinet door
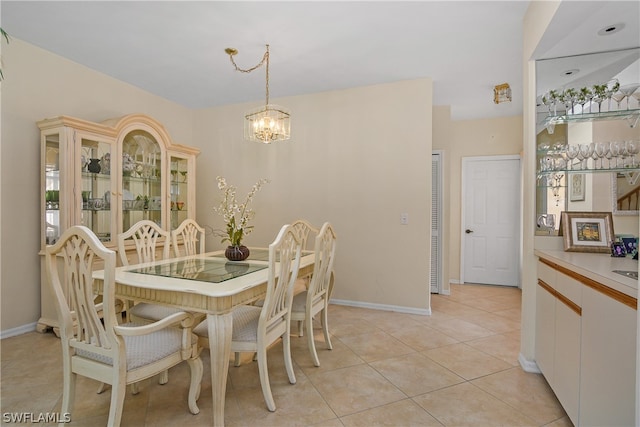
545,331
608,368
566,380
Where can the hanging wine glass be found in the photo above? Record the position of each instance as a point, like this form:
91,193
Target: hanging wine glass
628,90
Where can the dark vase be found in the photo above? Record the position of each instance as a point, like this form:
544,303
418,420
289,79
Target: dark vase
237,253
94,165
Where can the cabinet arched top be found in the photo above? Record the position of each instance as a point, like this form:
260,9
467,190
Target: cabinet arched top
118,127
125,124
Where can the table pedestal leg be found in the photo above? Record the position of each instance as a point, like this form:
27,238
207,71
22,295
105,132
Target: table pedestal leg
220,330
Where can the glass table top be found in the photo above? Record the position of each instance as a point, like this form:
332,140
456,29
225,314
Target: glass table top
213,270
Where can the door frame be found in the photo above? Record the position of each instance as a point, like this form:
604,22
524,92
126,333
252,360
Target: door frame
465,161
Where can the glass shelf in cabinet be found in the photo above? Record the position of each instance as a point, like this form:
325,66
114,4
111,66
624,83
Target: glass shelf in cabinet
631,116
603,170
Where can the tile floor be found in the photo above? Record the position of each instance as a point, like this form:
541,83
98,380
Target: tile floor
457,367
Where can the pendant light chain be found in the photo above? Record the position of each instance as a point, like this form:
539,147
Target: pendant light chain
265,58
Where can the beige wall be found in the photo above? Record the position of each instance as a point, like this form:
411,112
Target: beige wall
359,158
471,138
37,85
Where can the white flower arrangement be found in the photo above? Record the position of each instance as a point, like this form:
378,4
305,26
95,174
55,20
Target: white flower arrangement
236,216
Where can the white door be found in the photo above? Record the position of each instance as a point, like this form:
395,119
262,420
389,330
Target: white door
491,220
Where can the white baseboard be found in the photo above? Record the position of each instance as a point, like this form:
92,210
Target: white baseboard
18,331
528,365
446,292
455,281
384,307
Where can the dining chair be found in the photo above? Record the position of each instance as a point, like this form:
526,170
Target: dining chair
148,237
315,299
305,230
255,329
102,349
191,235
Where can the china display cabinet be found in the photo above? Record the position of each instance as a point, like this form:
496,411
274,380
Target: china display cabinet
108,176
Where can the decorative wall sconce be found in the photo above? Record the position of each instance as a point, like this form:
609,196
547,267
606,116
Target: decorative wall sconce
502,93
269,123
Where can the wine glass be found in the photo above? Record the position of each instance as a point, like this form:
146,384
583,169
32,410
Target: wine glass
627,90
618,97
623,152
586,150
572,153
632,147
549,99
569,97
601,150
612,87
636,95
584,96
615,152
599,94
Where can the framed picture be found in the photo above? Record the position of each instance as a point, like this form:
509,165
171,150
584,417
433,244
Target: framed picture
587,231
618,250
630,245
576,189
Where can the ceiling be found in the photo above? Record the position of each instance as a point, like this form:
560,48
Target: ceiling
175,49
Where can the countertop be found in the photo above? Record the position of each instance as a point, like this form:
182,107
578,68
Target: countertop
598,267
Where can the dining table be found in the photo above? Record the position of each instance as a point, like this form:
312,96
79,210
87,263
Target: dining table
205,283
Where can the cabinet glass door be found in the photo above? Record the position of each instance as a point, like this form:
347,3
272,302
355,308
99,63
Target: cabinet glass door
96,194
141,179
179,190
52,157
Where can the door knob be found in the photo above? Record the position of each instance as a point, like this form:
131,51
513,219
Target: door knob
468,231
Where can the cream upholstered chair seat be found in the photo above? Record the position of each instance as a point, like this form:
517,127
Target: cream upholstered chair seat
315,300
255,329
100,348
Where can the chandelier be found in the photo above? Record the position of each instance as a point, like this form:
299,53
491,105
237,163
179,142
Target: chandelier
270,122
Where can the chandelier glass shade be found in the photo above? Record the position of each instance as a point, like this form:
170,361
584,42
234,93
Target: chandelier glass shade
267,123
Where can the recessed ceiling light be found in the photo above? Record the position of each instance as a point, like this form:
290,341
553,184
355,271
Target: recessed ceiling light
611,29
571,72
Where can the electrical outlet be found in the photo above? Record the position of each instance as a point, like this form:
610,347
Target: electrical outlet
404,218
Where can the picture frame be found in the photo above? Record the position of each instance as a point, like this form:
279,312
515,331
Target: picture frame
587,231
618,250
576,187
630,245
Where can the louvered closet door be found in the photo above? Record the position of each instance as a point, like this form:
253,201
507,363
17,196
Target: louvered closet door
436,223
